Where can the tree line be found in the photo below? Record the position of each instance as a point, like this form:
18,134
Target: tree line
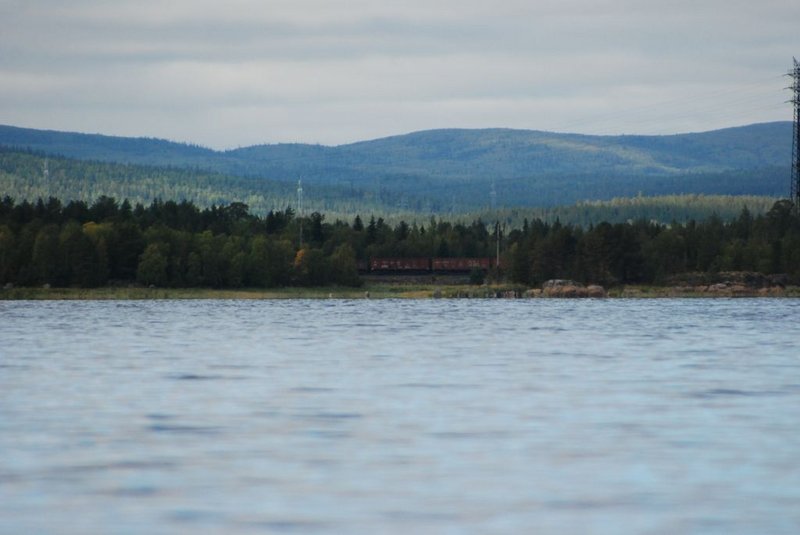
169,243
643,251
178,244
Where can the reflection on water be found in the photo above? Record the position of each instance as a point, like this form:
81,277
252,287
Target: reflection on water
663,416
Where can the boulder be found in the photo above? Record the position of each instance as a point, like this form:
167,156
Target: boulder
719,287
732,289
570,288
780,280
774,291
595,290
558,283
748,279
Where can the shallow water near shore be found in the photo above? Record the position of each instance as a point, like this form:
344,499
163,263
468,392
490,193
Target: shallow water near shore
400,416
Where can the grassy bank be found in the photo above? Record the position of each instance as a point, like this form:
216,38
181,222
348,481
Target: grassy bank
644,292
177,293
371,291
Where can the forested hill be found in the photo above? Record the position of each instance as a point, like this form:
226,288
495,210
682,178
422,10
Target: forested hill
505,153
23,177
453,153
149,151
442,168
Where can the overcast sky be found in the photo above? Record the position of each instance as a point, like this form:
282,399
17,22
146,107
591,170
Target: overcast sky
241,72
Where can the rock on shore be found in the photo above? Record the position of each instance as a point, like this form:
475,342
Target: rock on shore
730,283
570,288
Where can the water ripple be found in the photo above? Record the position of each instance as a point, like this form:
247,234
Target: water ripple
400,416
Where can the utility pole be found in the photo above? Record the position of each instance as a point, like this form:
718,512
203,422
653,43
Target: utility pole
794,190
300,209
493,195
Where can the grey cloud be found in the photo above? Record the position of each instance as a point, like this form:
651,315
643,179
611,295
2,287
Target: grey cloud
243,72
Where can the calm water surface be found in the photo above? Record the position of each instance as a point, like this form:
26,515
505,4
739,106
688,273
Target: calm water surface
453,416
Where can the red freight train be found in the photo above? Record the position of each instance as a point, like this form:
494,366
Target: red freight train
400,264
461,264
408,265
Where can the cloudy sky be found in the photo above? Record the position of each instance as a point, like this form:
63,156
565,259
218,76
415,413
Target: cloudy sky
240,72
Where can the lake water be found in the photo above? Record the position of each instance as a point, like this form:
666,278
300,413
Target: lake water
387,416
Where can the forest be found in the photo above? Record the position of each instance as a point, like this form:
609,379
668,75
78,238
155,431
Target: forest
437,171
22,177
178,244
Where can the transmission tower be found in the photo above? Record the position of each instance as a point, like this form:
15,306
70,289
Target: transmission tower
795,87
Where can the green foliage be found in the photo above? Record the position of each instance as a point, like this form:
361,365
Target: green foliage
664,209
343,266
46,263
168,244
8,254
477,276
80,259
645,251
311,268
152,269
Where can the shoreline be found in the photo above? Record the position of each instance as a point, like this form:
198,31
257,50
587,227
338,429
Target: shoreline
382,291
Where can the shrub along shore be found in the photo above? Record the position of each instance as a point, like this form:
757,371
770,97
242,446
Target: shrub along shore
398,291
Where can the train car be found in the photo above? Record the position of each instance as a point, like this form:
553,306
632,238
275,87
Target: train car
461,264
399,264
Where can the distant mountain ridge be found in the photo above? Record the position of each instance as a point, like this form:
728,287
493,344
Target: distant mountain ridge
529,167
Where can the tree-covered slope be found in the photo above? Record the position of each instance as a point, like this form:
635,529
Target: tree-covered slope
106,148
23,177
505,153
438,170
